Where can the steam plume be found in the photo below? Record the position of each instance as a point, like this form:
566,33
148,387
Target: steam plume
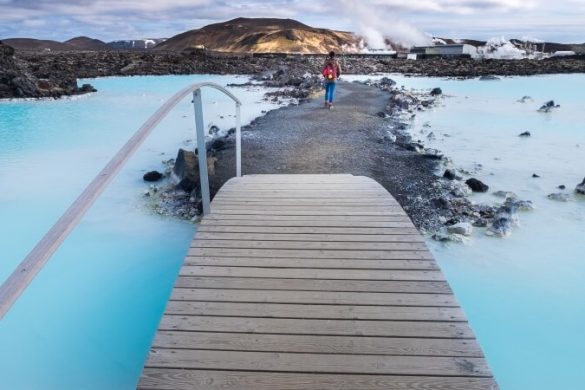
375,22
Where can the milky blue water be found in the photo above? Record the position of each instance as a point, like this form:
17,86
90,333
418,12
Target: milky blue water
87,320
524,295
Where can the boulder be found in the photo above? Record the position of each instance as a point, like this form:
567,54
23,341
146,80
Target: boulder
477,185
580,189
525,134
564,187
152,176
463,228
535,176
186,170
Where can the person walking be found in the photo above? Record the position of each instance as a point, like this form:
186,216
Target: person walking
331,72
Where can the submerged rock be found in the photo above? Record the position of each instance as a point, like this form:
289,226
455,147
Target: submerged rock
477,185
444,236
489,77
505,194
463,228
524,99
500,227
559,197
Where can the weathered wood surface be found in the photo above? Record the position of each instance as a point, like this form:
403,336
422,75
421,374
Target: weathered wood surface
311,282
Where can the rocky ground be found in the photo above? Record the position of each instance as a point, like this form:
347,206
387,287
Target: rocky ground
61,69
18,80
366,134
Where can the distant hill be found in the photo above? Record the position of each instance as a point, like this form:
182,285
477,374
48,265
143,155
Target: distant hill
86,43
30,44
136,44
261,35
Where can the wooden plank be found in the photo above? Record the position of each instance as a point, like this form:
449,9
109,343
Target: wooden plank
324,363
314,254
310,219
314,297
203,235
401,222
319,311
318,344
317,211
310,263
228,283
304,273
427,329
308,245
210,228
180,379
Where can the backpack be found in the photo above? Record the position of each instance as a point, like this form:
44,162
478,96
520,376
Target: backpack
330,72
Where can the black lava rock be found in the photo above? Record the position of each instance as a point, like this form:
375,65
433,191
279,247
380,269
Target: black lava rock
562,187
525,134
477,185
450,174
218,144
534,175
152,176
436,91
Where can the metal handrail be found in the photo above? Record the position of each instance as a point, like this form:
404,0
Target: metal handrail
26,271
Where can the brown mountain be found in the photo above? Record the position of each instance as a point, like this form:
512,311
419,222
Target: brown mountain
260,35
30,44
88,44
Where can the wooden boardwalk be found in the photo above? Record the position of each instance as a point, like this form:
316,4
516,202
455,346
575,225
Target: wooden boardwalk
312,282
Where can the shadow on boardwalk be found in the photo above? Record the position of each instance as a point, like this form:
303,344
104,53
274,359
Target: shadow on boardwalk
348,139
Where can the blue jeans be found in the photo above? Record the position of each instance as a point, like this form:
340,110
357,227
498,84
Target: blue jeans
329,91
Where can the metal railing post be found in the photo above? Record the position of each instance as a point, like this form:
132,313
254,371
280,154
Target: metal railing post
202,152
238,140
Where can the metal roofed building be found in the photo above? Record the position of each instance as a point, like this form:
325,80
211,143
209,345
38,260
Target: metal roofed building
454,50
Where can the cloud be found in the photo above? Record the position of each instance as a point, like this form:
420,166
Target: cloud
399,19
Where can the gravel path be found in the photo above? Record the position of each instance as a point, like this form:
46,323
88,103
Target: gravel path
348,139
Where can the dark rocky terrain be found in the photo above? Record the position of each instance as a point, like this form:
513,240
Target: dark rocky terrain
63,68
18,80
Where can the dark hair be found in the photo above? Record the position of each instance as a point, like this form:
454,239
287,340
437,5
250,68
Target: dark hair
331,54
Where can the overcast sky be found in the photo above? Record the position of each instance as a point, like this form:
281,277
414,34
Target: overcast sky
560,20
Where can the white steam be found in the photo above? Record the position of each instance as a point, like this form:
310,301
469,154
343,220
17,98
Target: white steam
375,24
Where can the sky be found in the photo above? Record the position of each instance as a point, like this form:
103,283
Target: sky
405,21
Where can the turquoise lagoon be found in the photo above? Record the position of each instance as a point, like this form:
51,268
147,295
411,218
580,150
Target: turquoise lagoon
86,322
524,295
